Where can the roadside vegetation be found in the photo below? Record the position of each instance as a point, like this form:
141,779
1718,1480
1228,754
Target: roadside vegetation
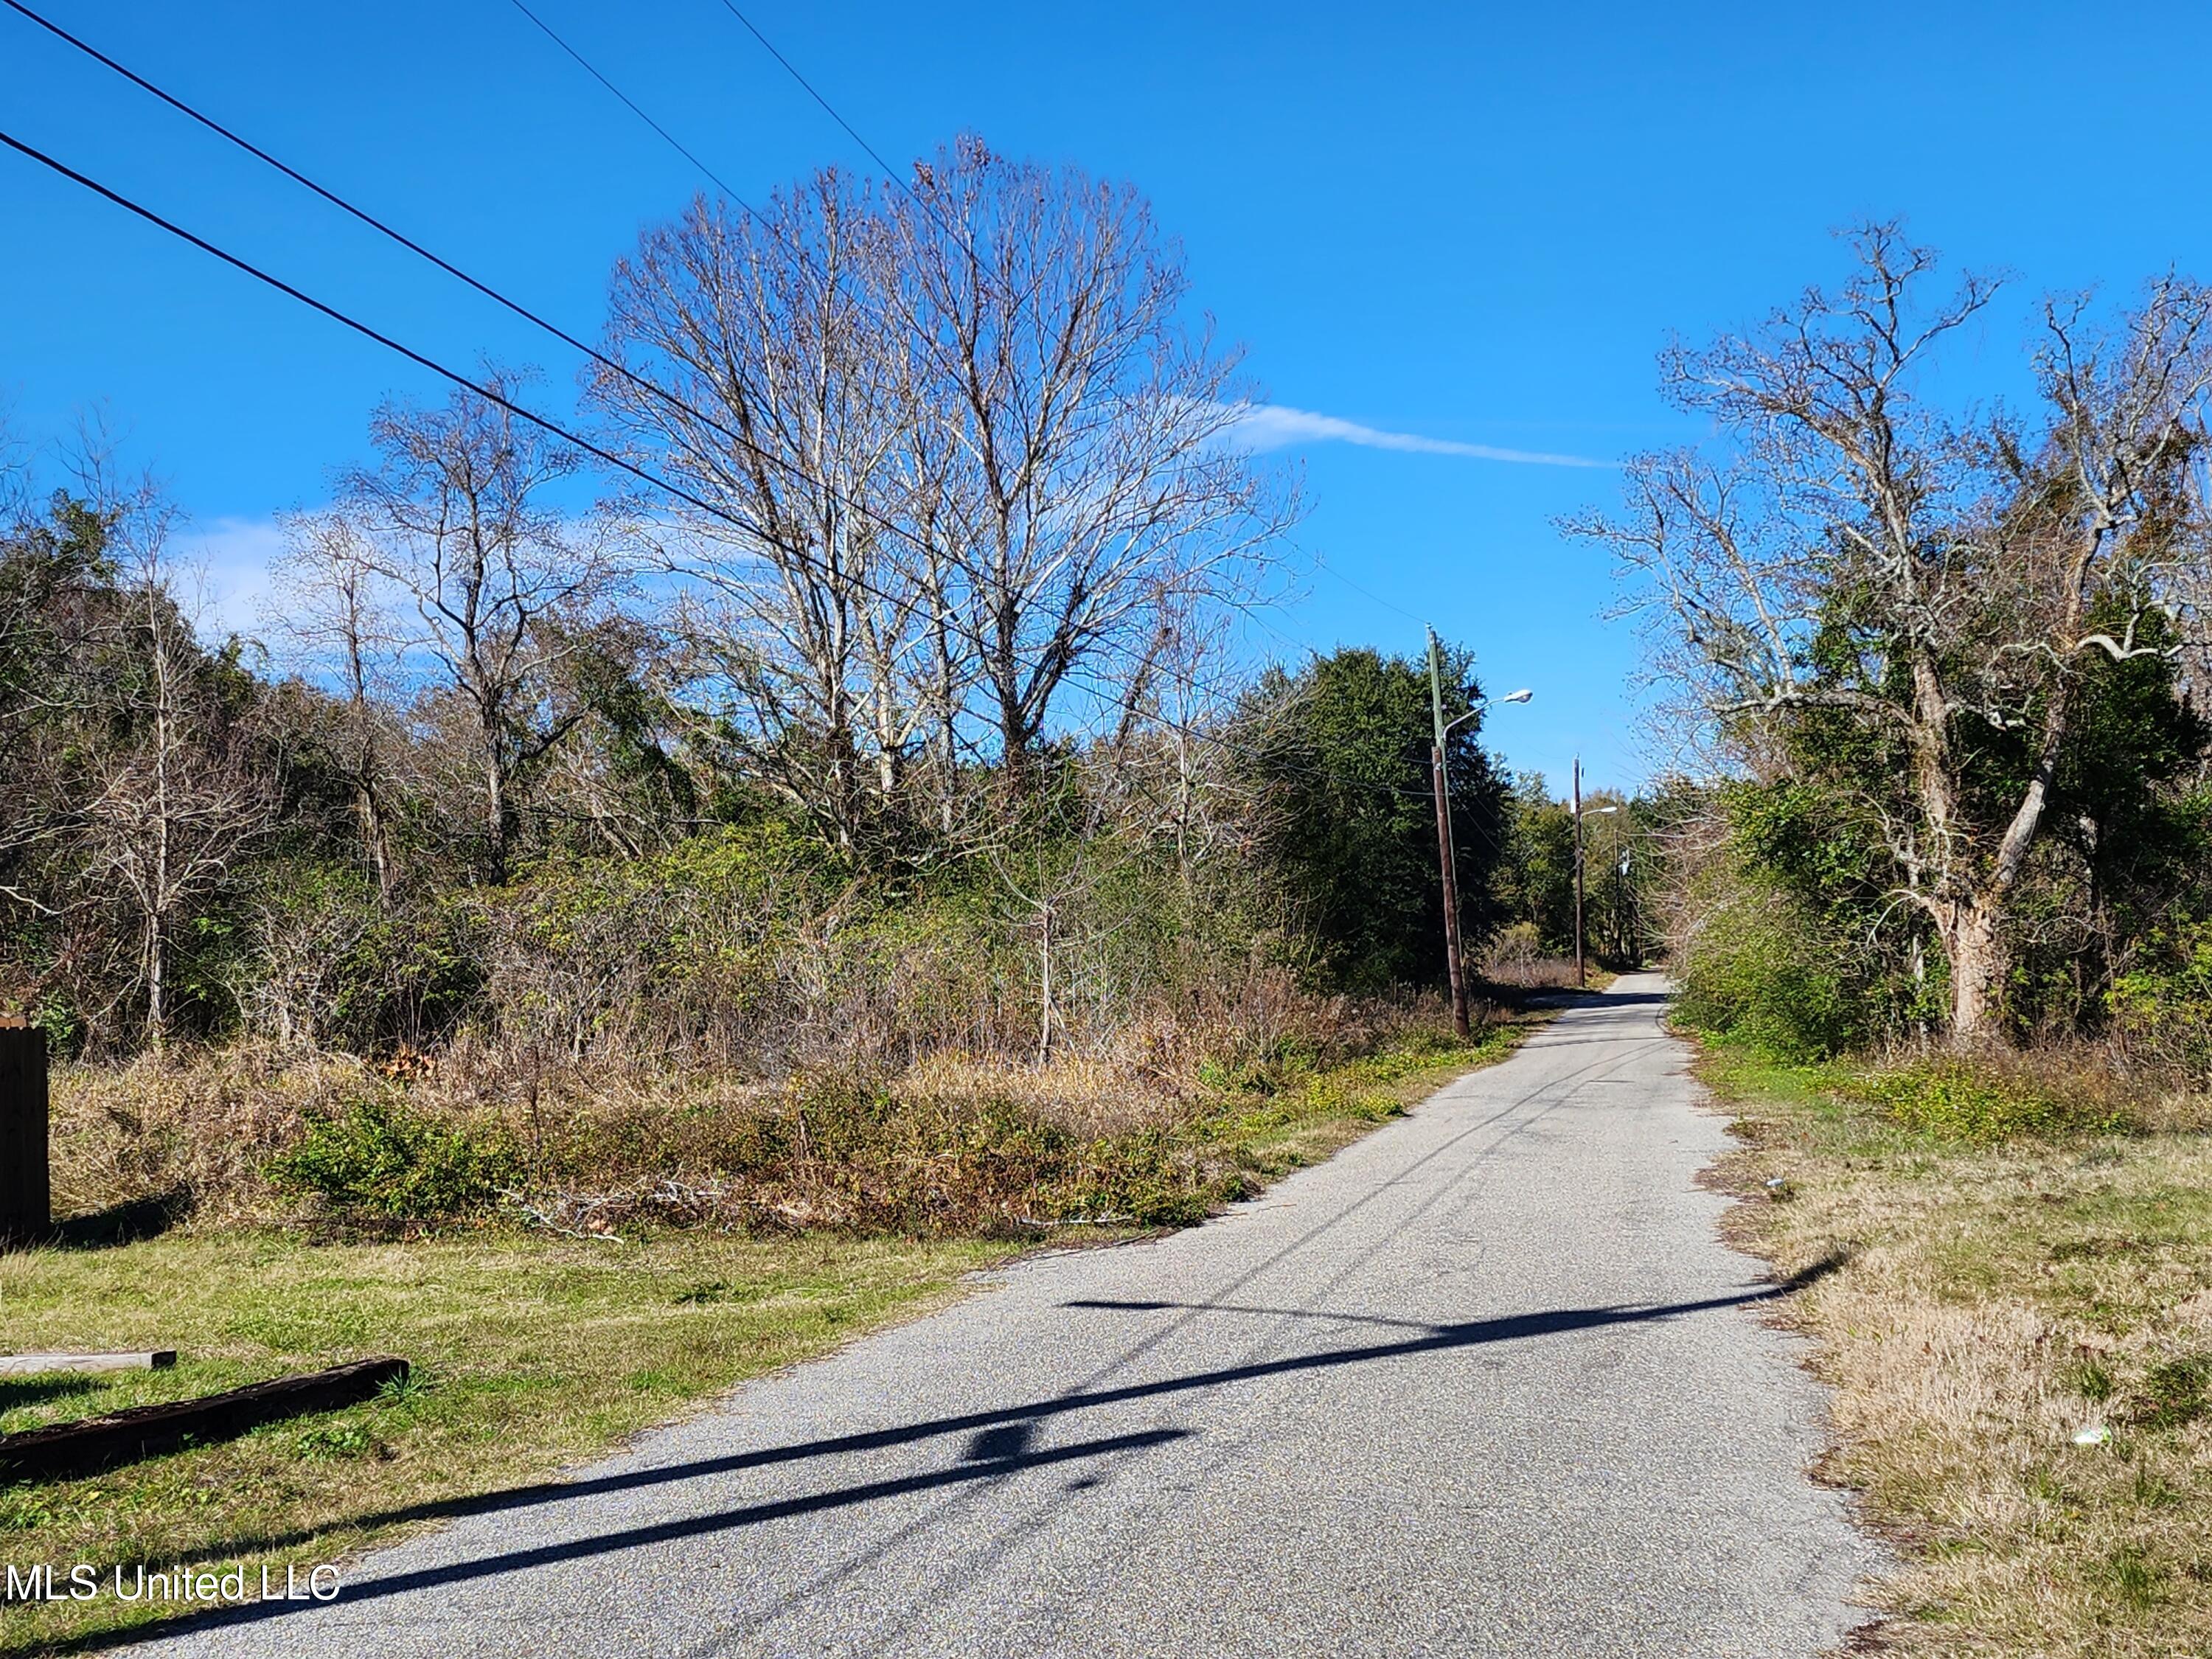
598,947
1938,905
2022,1264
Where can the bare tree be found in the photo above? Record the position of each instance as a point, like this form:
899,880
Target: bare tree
1936,588
471,566
968,467
171,808
788,409
1089,484
333,611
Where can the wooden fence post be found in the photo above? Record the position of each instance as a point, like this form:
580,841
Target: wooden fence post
26,1199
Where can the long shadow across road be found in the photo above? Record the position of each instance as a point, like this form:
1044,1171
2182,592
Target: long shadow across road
1000,1446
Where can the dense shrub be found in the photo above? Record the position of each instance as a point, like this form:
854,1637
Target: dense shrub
2162,1007
1757,970
380,1157
1957,1100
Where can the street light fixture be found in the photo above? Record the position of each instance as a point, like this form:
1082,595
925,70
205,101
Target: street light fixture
1447,850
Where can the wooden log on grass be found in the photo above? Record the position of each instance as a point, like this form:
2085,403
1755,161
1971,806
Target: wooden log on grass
65,1450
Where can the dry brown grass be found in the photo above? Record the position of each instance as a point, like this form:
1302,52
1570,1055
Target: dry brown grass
201,1122
948,1143
1993,1302
1514,957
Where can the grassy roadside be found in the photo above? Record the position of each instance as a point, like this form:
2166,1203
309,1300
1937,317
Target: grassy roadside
2017,1268
532,1351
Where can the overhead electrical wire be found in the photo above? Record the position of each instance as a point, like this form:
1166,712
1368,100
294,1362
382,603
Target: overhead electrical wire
763,220
517,308
631,104
642,382
455,377
487,393
852,132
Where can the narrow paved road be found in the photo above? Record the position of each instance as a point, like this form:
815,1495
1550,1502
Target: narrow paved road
1485,1383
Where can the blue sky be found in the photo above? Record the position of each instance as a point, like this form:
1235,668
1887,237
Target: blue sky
1471,224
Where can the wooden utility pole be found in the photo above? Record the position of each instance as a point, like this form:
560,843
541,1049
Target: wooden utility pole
1446,853
1451,895
1578,872
26,1199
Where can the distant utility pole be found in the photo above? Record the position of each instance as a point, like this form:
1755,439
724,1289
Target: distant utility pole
1446,855
1578,872
1601,811
1447,852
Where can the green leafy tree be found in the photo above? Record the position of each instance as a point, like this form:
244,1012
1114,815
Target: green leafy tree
1340,753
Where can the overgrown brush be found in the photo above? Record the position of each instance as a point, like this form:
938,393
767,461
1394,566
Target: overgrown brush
1995,1099
1515,957
948,1144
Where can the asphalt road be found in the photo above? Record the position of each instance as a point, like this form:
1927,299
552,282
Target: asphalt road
1484,1383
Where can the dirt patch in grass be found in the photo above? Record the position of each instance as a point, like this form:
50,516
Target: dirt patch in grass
2020,1338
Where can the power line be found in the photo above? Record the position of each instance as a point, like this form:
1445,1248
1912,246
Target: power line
515,307
1320,563
363,329
975,261
628,103
874,155
643,383
828,108
612,365
490,394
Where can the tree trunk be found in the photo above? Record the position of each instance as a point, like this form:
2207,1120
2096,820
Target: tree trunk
1975,946
373,833
1044,965
495,822
157,994
157,936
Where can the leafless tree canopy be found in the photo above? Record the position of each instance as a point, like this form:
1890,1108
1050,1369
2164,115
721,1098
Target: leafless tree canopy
968,462
447,566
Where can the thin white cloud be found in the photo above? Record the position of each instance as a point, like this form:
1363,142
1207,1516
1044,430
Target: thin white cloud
1272,426
225,574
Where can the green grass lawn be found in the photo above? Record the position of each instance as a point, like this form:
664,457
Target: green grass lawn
527,1352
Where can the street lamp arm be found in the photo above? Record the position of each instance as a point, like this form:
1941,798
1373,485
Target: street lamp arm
1481,703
